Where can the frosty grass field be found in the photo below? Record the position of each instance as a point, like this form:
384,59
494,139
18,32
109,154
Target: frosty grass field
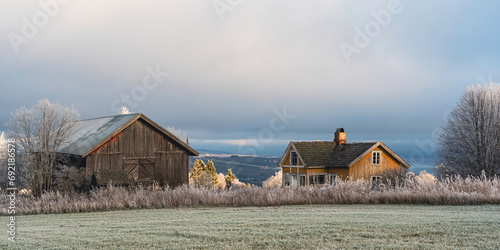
312,226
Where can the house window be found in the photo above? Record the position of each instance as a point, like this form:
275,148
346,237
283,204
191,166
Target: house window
317,179
286,180
302,180
321,179
333,178
293,180
376,157
295,159
376,179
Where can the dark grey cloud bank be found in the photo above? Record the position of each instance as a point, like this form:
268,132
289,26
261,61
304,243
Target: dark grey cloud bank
226,76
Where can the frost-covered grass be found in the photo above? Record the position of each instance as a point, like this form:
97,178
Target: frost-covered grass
290,227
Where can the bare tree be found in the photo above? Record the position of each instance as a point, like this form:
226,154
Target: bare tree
394,176
40,132
469,143
68,179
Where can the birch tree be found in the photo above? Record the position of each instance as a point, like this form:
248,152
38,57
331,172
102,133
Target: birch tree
40,132
469,143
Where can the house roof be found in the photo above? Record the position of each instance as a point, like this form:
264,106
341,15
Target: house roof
329,154
314,153
92,133
344,154
348,154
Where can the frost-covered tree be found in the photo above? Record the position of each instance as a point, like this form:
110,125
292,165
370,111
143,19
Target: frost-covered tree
3,146
3,157
274,181
221,181
424,178
40,132
230,177
212,172
204,175
197,172
3,141
124,110
178,133
469,143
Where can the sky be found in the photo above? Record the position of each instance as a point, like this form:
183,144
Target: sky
249,76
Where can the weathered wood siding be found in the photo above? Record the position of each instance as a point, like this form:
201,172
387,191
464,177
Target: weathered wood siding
342,173
102,162
140,144
172,168
138,140
293,170
365,169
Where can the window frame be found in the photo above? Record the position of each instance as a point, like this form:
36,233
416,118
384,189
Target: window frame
314,179
302,180
374,157
292,154
376,179
288,179
332,178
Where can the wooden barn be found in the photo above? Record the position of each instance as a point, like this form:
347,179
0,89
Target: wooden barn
323,162
130,148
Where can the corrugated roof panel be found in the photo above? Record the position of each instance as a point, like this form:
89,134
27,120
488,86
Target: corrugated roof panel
91,132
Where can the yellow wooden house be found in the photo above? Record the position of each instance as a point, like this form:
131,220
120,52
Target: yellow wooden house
323,162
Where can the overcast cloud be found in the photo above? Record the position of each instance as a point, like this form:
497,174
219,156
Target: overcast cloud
226,76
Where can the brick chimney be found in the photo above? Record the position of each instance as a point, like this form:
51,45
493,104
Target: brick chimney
340,136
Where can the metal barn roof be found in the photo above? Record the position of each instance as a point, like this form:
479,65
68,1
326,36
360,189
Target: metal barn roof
92,131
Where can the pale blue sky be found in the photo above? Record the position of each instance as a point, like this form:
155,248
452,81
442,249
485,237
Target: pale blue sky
227,71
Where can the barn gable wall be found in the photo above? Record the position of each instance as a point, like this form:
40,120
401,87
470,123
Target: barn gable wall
141,142
138,140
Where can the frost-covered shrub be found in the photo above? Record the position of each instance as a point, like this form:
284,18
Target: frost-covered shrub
274,181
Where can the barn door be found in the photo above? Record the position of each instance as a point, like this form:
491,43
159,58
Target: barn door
139,169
